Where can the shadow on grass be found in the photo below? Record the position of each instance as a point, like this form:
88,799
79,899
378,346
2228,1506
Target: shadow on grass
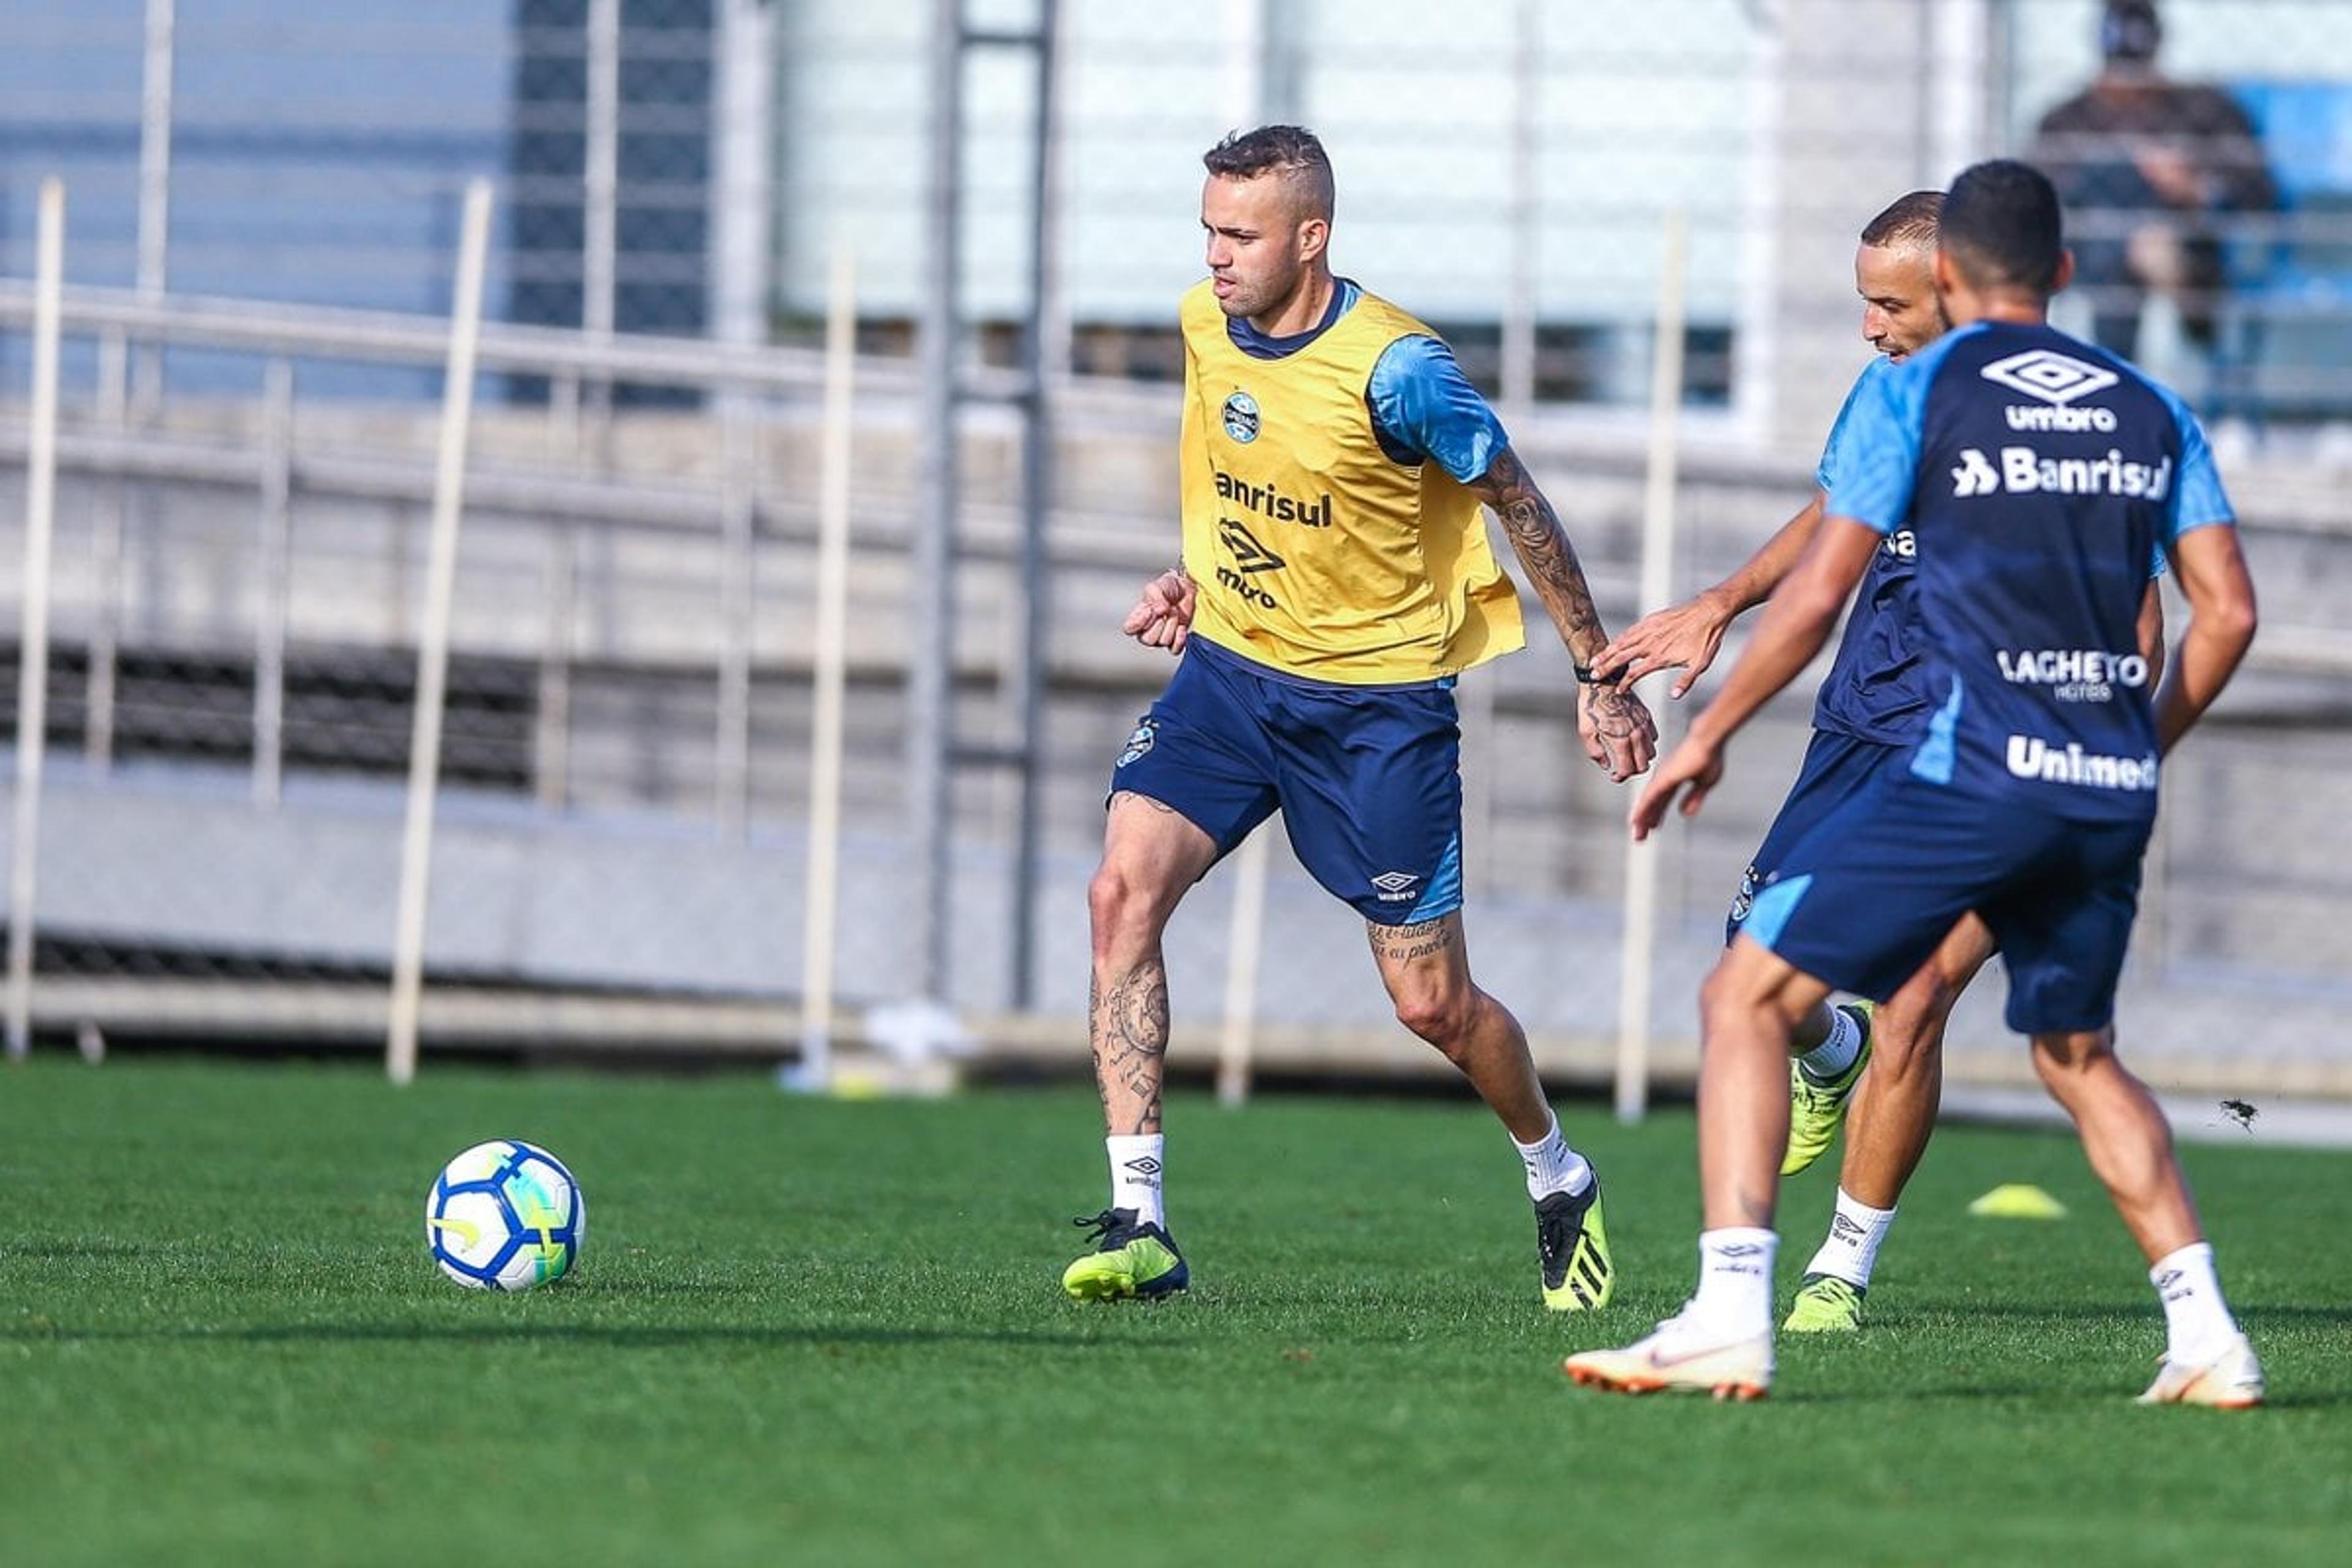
639,1338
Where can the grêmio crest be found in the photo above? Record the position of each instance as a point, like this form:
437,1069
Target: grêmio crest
1240,417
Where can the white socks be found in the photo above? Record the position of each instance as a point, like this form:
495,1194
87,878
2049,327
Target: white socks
1734,1300
1552,1165
1825,1061
2198,1326
1851,1250
1135,1167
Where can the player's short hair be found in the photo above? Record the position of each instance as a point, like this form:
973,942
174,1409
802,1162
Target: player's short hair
1291,152
1909,220
2001,227
2130,31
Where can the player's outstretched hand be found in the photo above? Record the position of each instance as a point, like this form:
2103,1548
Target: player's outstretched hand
1162,617
1695,765
1683,636
1618,731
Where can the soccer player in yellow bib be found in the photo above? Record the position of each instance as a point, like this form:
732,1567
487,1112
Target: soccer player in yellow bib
1336,580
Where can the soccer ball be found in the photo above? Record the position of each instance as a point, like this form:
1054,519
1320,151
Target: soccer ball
505,1215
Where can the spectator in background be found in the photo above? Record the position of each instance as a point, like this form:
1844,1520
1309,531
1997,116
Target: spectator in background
2150,170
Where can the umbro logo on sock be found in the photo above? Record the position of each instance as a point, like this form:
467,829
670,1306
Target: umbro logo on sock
1142,1166
1844,1229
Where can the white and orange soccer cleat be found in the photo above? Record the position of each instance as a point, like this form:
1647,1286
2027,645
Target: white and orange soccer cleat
2231,1380
1677,1358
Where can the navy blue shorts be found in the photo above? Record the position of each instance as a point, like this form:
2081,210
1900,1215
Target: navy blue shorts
1367,779
1836,768
1862,900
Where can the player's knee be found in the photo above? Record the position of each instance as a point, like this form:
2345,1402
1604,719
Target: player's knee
2064,1058
1723,994
1439,1015
1122,909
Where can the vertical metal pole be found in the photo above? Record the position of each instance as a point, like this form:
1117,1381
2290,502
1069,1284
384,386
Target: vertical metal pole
601,190
732,777
106,599
1755,387
1244,947
743,141
33,666
1519,380
551,742
154,190
1036,588
1245,49
274,546
1641,923
821,909
932,632
432,641
115,499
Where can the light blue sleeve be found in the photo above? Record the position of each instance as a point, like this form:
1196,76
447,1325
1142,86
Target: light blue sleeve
1423,406
1878,457
2198,499
1834,451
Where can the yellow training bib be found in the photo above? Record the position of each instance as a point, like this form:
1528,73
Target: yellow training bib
1315,552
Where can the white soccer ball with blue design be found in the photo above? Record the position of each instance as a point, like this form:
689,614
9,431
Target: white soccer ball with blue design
505,1215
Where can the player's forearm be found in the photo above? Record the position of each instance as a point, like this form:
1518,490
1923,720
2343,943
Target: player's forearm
1765,570
1549,558
1792,630
2210,650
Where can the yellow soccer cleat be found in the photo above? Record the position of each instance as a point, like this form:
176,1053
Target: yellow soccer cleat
1676,1360
1825,1304
2231,1380
1573,1244
1130,1262
1815,1109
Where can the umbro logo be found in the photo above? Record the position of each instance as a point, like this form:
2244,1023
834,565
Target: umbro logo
1248,553
1144,1166
1844,1229
1395,887
2049,375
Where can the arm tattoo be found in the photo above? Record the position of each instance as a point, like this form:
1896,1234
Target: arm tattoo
1130,1035
1544,551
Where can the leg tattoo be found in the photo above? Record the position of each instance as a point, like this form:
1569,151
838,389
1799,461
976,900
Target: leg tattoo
1130,1046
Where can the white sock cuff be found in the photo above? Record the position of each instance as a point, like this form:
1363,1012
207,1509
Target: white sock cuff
2196,1255
1847,1203
1537,1147
1551,1165
1733,1236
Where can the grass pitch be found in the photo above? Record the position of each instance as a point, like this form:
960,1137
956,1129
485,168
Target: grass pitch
817,1331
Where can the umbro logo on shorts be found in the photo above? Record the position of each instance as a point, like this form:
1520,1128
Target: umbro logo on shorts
1395,887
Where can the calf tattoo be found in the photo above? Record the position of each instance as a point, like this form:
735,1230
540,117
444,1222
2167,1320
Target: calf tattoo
1130,1035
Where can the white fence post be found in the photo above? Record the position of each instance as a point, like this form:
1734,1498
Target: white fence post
821,909
1641,923
33,668
432,641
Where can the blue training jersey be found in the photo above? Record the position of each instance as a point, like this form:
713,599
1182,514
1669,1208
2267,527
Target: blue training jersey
1423,408
1875,689
2039,475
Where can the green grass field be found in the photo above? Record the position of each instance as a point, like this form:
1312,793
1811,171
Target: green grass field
819,1331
